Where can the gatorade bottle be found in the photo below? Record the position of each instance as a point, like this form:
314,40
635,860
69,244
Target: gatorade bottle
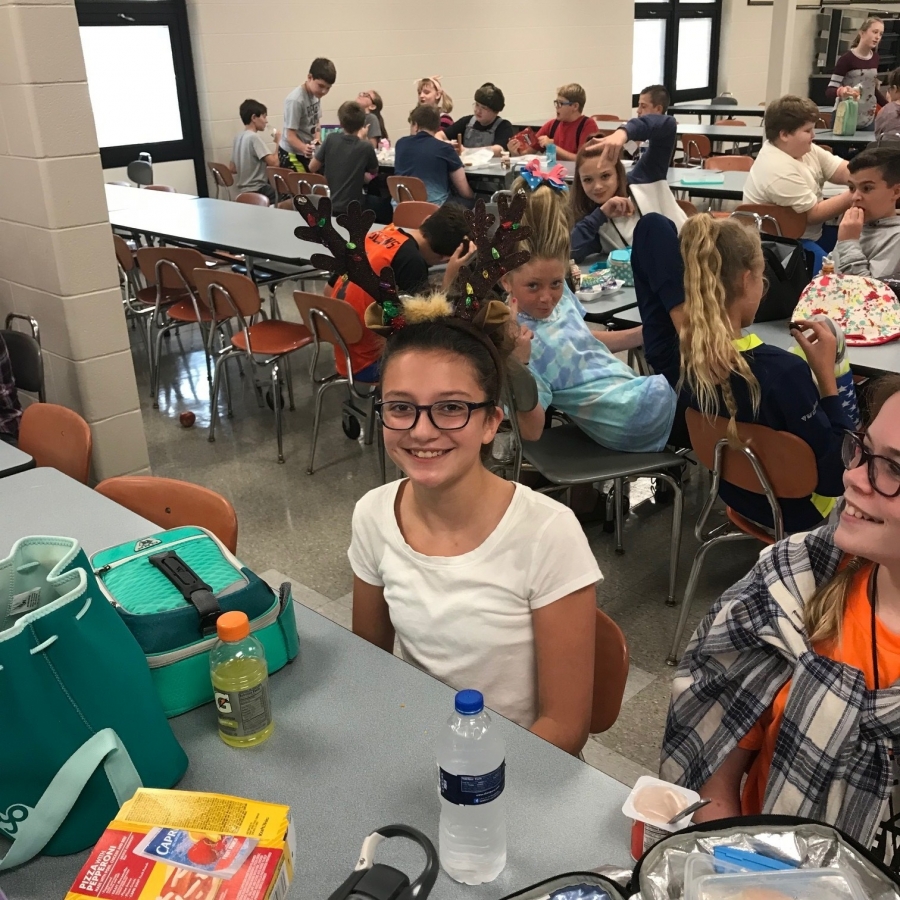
240,678
551,155
471,759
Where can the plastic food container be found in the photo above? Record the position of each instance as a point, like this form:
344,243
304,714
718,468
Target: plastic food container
651,803
793,884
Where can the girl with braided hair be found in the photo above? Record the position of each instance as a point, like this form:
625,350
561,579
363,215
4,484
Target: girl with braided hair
725,373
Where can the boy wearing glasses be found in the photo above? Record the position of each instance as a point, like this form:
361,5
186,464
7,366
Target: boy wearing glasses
571,128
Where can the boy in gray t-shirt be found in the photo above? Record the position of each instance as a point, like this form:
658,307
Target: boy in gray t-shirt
250,155
302,112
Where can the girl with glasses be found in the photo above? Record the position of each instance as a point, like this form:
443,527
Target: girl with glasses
372,103
791,679
726,373
484,583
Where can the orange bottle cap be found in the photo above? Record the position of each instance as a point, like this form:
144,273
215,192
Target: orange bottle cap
233,626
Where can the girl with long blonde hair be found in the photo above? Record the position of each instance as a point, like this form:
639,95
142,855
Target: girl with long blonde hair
725,373
430,92
789,685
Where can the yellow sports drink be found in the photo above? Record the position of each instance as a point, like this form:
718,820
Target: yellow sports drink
240,680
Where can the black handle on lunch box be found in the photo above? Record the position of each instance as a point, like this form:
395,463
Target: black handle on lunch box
191,586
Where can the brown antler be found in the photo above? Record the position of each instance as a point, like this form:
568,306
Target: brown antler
497,254
348,255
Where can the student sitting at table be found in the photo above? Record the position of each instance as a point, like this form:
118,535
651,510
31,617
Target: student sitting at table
423,156
302,112
605,214
653,100
250,155
484,583
571,128
574,366
739,377
372,104
869,234
791,170
887,122
10,408
409,252
431,93
485,127
349,164
785,701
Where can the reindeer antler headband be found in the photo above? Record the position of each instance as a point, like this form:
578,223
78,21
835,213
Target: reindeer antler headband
496,255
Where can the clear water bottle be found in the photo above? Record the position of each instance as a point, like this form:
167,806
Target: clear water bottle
551,155
471,760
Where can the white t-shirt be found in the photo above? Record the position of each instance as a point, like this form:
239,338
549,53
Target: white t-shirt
776,177
466,620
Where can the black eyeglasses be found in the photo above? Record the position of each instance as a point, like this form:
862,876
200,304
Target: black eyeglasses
559,103
884,473
445,415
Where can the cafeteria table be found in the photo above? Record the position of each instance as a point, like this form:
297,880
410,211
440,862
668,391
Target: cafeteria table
726,110
731,188
604,309
353,748
859,140
120,197
13,460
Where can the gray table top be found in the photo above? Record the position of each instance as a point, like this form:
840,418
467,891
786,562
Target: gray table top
734,133
606,308
707,107
257,231
118,197
353,747
732,188
860,139
13,460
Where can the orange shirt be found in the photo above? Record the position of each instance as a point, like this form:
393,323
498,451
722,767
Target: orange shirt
854,649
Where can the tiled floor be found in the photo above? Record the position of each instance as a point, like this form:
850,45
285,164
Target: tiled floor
298,526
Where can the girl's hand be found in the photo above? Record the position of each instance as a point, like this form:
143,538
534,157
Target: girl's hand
820,349
617,208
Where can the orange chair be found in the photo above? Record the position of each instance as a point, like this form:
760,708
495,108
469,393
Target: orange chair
228,296
733,122
166,188
223,177
405,187
688,207
332,321
779,220
252,198
57,437
169,503
610,673
278,178
735,163
412,213
824,120
774,463
171,290
696,148
307,183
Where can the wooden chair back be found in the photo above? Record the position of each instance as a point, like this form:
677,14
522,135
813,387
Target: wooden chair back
825,120
252,198
305,182
731,163
788,461
688,207
57,437
405,188
165,188
413,213
123,254
610,673
170,503
791,223
342,315
696,148
606,117
222,175
185,259
279,179
733,122
212,285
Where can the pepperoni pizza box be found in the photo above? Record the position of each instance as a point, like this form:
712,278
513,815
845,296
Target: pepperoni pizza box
181,845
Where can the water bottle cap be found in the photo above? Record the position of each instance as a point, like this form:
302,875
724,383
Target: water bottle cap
233,626
469,703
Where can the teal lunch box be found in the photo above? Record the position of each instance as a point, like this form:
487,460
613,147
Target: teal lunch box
175,633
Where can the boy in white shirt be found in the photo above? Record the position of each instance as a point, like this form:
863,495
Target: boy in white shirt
791,171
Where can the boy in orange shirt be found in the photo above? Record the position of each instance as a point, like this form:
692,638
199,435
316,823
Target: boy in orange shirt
571,128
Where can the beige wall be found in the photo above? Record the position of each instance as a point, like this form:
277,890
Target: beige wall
56,256
263,50
744,50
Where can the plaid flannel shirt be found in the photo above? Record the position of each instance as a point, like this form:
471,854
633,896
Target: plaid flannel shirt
10,410
832,758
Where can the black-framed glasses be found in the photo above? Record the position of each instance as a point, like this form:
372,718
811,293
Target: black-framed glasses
559,103
883,473
445,415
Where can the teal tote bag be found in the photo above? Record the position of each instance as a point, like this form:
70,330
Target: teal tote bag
82,724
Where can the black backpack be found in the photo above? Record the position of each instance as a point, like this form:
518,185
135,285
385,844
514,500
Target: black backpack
788,272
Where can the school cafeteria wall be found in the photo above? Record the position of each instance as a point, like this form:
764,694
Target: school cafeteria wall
744,50
56,253
263,50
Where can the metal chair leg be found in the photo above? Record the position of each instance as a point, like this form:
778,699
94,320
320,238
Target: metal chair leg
620,514
369,431
317,418
675,546
289,377
214,399
691,588
228,391
154,381
276,402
